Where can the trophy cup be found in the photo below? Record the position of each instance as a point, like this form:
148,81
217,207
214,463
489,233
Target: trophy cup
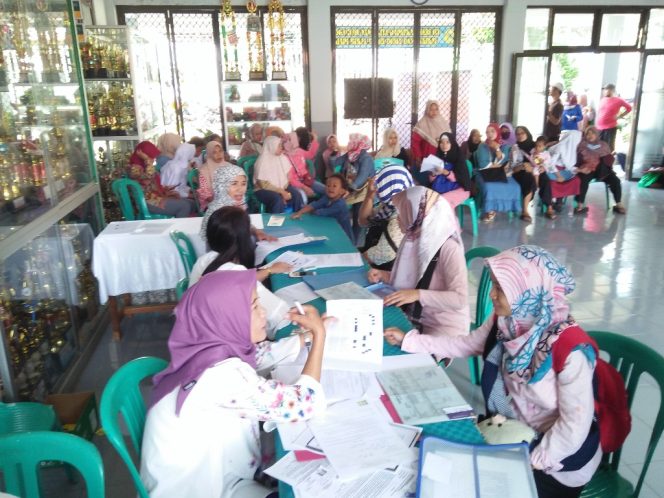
20,39
276,25
229,39
255,46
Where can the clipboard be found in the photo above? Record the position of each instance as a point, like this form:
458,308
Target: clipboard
474,470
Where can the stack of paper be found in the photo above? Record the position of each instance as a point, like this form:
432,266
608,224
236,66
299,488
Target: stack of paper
264,247
423,394
297,260
432,163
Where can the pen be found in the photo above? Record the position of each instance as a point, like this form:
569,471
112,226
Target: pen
307,339
298,307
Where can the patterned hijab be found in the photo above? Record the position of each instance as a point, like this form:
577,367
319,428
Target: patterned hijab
389,181
221,183
536,285
357,142
430,221
386,150
431,128
212,324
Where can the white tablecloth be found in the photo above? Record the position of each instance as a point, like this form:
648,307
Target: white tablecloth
139,256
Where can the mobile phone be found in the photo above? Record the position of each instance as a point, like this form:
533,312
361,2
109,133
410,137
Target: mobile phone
301,273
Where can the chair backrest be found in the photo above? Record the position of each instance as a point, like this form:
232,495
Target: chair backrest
381,162
484,306
632,358
185,249
26,416
22,453
469,164
247,164
122,395
243,162
181,287
132,200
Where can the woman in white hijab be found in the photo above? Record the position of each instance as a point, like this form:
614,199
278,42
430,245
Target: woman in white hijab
429,271
174,172
392,148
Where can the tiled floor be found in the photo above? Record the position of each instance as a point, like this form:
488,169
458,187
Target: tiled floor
617,261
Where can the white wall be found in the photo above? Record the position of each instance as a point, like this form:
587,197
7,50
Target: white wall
320,48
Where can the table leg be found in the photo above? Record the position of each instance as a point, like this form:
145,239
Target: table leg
116,317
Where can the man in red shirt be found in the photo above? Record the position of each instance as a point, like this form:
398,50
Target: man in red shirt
609,114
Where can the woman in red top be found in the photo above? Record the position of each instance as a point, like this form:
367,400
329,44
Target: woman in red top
424,140
160,200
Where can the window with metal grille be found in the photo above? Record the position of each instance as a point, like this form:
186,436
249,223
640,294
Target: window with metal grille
189,52
447,55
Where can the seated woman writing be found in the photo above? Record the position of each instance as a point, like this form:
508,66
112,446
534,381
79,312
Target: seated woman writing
530,313
429,272
201,435
499,193
230,238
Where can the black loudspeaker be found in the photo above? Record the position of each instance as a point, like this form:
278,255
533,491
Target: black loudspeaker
357,104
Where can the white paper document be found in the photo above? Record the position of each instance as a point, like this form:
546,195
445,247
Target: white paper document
423,395
354,340
264,247
297,436
356,439
297,292
276,221
348,290
341,259
256,220
296,259
431,163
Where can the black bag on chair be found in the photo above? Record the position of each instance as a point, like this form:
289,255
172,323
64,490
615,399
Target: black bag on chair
493,174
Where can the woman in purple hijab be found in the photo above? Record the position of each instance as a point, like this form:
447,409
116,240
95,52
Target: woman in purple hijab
201,436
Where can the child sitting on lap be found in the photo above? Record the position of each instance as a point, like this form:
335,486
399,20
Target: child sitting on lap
543,159
331,204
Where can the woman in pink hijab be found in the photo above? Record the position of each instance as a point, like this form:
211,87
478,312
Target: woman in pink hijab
201,435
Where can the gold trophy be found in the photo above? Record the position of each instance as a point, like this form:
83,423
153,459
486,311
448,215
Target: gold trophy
277,36
255,46
229,39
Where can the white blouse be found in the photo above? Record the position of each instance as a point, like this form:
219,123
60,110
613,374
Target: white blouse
212,448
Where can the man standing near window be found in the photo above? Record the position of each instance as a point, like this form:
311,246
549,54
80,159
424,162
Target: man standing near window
554,113
609,114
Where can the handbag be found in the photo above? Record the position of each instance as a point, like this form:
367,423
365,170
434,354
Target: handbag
493,174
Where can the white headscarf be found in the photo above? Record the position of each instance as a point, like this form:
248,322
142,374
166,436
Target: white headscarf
564,152
271,167
430,221
385,149
221,182
174,172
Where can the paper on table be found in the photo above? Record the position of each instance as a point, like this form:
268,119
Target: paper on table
356,440
152,228
296,259
276,221
263,247
324,280
296,292
382,290
460,465
256,220
292,472
431,163
348,290
297,436
422,395
341,260
355,339
503,477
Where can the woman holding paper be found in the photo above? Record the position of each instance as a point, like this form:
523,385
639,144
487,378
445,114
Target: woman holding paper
451,178
499,193
530,313
424,140
201,436
429,271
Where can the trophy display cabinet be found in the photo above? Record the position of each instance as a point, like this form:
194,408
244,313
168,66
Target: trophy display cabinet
119,85
49,201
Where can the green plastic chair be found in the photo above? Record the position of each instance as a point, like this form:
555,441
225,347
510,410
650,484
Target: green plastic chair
631,358
21,456
649,178
185,249
192,181
470,204
247,164
484,306
24,417
181,287
132,200
122,395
